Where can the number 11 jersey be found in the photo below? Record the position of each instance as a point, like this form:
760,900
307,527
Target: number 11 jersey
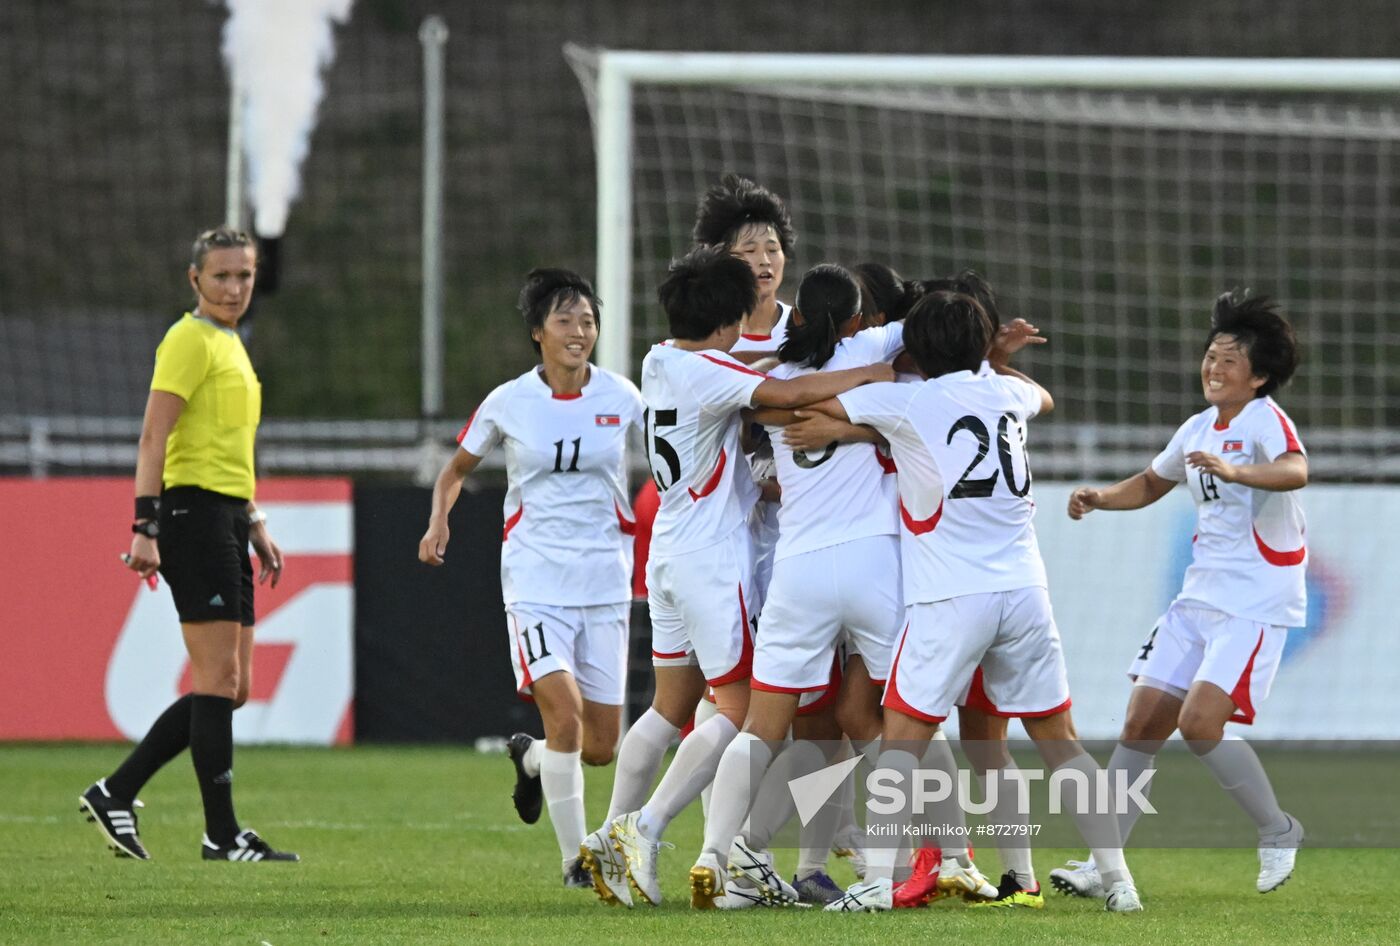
965,504
567,539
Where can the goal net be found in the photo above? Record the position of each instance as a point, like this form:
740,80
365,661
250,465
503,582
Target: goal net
1110,216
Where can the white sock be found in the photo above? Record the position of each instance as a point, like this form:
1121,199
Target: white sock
638,760
773,806
561,777
705,710
691,770
885,831
946,813
530,761
735,784
1239,772
1132,764
1090,803
1013,841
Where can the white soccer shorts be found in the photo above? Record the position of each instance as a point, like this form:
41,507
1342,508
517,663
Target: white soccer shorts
1196,642
590,643
1010,635
849,592
699,609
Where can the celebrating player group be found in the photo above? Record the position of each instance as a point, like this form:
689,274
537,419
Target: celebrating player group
843,552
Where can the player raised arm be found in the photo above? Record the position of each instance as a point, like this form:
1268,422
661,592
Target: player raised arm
1011,338
811,388
1288,472
1135,492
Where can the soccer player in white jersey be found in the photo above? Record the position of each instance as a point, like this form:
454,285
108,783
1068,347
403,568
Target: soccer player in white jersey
1212,657
700,568
974,582
566,548
835,578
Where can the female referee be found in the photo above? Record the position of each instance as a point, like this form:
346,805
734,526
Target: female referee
194,519
566,552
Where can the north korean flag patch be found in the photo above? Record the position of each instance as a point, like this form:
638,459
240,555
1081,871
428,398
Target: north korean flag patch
607,420
1233,446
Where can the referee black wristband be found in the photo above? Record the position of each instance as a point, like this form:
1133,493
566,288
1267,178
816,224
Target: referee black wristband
147,507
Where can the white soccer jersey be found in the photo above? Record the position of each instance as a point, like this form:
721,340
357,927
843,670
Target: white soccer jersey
964,480
568,527
846,491
1248,558
692,435
772,340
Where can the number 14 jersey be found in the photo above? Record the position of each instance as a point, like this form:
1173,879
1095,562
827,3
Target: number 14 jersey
567,539
965,504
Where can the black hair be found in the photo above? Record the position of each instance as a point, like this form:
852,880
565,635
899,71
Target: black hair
969,282
947,331
735,202
705,290
546,290
827,298
1264,334
884,292
222,237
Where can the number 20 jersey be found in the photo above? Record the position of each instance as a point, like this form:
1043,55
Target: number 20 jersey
964,481
1248,558
692,434
567,539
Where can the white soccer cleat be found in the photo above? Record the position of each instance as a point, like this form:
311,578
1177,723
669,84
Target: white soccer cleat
1123,898
1081,878
968,881
756,867
640,853
1277,857
606,866
873,896
848,845
737,897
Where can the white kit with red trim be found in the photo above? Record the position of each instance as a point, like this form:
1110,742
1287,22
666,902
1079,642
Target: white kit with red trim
772,340
964,480
845,491
1249,557
568,527
692,436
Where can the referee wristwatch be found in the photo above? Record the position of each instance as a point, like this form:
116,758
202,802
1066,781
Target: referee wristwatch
150,528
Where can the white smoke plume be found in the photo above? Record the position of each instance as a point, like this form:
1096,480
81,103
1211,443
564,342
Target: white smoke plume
279,49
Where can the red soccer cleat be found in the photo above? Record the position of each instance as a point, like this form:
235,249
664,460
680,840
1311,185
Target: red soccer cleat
921,888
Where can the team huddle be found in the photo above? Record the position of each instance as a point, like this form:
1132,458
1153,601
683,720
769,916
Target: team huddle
842,552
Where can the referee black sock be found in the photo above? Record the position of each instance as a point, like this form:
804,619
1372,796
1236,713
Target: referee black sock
211,747
166,739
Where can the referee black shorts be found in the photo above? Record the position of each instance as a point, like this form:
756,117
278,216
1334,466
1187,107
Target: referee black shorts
204,555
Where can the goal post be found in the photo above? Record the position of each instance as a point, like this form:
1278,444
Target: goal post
1110,197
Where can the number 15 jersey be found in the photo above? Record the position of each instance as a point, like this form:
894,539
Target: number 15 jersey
959,441
567,539
692,435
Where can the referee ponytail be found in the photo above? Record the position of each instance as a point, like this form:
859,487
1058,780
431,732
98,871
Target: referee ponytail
827,299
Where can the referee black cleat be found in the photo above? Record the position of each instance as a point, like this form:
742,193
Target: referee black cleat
246,846
528,794
116,819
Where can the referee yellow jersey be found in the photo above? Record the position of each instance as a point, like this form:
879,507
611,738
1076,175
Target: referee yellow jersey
212,443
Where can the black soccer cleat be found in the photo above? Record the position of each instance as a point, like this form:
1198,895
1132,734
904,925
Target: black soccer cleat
529,793
578,875
246,846
116,820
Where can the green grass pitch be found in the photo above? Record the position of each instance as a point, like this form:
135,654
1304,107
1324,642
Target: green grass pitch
422,846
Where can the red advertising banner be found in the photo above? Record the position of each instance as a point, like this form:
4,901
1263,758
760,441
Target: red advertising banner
87,651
